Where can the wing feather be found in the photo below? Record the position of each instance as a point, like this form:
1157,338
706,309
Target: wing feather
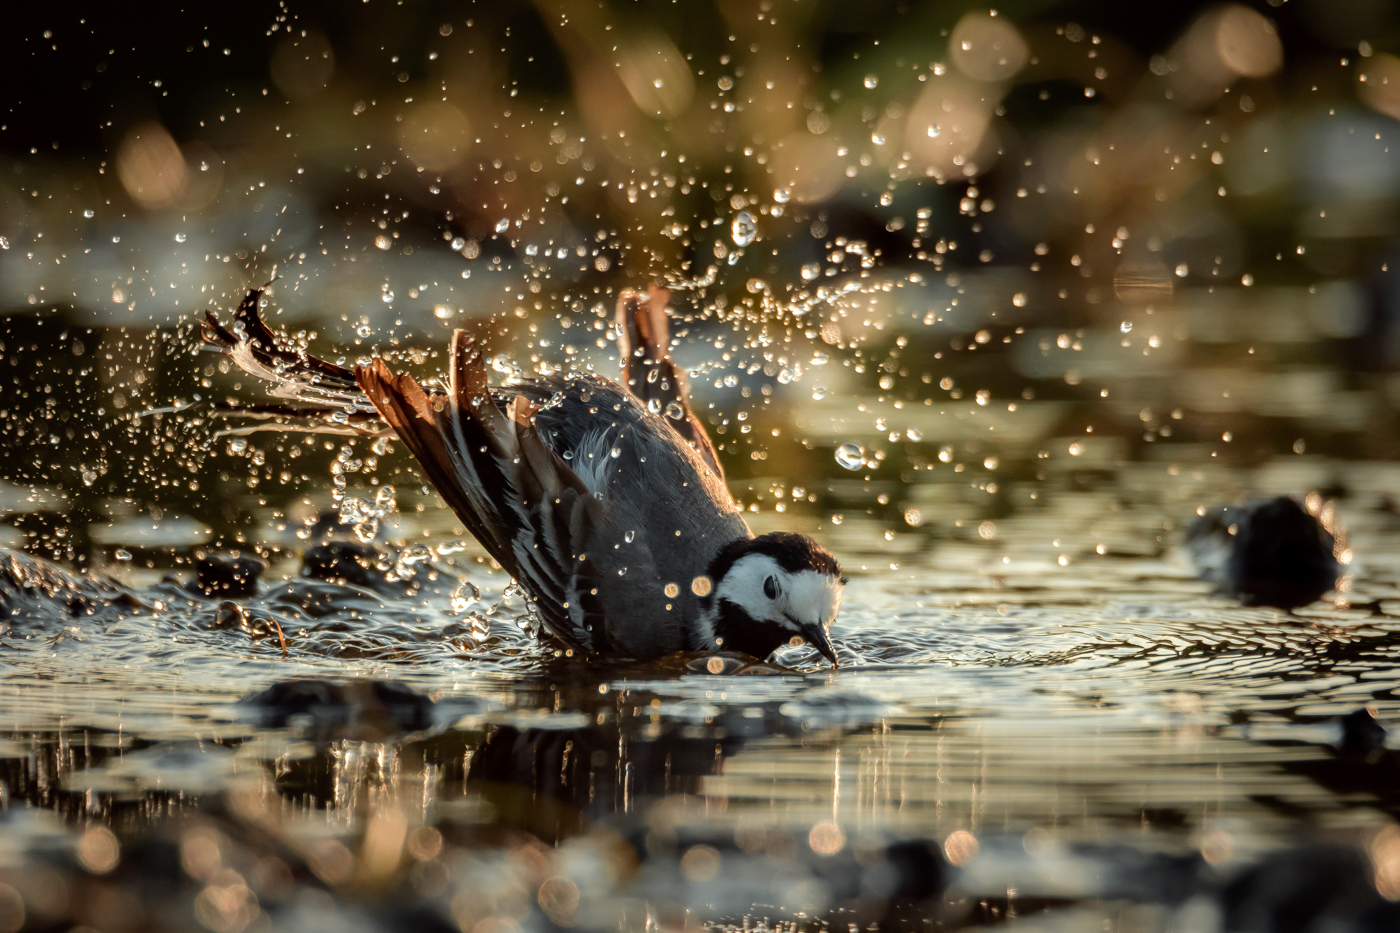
498,475
294,373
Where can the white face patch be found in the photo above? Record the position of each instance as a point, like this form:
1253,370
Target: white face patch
813,597
803,598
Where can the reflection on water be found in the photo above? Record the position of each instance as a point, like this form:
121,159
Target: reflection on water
1010,734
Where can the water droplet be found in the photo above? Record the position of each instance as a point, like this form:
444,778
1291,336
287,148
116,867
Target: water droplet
89,476
457,244
810,271
383,242
442,312
1019,299
88,213
238,445
743,229
945,454
675,411
819,393
1126,327
630,536
122,554
850,456
914,434
782,195
465,596
180,238
503,225
615,452
934,131
872,81
913,518
1182,271
364,330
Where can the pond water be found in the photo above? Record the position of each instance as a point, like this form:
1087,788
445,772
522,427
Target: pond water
993,303
1098,739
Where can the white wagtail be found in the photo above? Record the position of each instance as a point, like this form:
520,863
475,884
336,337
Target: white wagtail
605,502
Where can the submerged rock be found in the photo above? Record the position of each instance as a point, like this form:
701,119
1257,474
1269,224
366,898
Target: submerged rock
1309,887
359,708
1270,552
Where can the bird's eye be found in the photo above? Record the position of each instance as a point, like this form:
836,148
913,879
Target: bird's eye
770,588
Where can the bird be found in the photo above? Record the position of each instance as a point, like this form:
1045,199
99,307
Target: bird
1268,552
604,500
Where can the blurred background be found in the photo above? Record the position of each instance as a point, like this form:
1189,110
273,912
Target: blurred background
928,260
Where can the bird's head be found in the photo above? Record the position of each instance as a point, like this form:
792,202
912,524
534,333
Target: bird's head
773,589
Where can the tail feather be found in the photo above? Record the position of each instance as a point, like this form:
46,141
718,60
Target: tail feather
644,341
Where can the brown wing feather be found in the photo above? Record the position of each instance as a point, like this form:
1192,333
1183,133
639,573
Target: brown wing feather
514,494
413,415
644,341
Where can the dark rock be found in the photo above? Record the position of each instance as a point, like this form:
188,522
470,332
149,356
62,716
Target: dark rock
344,562
1271,552
227,577
1361,734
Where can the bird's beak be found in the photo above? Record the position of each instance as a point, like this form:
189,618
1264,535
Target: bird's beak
816,636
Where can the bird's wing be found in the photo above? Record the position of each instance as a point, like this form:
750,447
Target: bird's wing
515,495
644,340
